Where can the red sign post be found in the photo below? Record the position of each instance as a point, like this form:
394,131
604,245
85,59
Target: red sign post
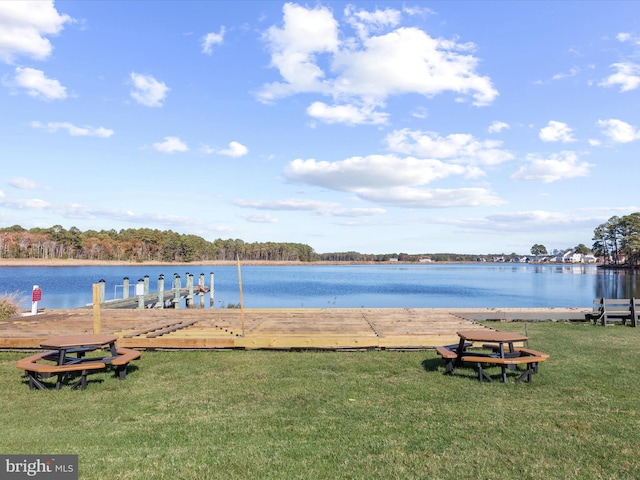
36,296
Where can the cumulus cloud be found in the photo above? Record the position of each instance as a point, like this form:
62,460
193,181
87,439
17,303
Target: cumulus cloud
211,39
147,90
627,76
619,131
25,26
347,114
627,71
73,130
171,145
370,172
235,150
457,148
497,127
382,60
556,132
37,84
558,166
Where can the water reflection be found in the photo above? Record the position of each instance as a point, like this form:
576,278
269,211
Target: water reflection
617,284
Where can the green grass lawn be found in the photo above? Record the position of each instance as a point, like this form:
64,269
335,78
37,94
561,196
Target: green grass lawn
352,415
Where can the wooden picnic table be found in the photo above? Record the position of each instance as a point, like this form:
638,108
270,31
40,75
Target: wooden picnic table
79,344
505,357
61,352
493,336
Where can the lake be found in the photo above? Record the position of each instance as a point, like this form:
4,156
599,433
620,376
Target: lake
338,286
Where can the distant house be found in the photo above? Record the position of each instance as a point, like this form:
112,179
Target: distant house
393,259
569,256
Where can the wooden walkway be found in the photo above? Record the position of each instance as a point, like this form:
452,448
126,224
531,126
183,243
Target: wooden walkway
305,328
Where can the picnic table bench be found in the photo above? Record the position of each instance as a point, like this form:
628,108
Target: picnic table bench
606,310
456,355
34,370
65,363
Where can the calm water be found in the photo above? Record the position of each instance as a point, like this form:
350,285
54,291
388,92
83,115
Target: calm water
397,286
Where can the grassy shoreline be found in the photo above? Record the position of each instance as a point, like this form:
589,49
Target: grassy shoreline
343,415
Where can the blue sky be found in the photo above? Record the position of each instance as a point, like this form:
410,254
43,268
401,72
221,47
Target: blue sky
469,127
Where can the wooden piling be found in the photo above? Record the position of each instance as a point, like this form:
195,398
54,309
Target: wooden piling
96,308
140,293
161,291
211,290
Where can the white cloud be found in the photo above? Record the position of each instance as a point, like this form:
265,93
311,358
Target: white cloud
571,73
347,114
619,131
23,183
627,76
211,39
331,209
235,150
372,172
363,72
432,198
556,132
457,147
497,127
288,204
37,84
24,26
260,218
171,145
559,166
364,22
85,131
147,90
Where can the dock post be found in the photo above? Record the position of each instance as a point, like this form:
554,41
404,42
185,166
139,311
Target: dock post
146,284
201,289
161,291
189,299
125,287
96,308
140,292
102,283
211,302
176,290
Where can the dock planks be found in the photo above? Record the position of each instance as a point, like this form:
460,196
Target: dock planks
303,328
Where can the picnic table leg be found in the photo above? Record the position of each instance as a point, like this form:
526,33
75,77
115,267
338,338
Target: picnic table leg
34,383
482,374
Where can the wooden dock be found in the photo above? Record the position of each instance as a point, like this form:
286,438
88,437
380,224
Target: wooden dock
304,328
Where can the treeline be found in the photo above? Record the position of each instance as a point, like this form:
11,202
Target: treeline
140,244
618,240
145,244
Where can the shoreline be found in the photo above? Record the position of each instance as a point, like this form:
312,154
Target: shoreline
55,262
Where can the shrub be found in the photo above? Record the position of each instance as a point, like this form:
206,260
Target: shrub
9,305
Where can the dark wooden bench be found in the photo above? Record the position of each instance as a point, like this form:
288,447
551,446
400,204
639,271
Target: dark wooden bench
37,371
449,356
607,310
121,362
529,361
